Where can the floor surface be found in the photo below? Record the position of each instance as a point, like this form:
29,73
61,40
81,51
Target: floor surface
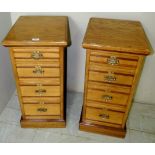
140,125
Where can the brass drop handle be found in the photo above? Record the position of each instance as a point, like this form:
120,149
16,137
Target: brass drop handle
104,116
107,97
112,60
36,55
38,70
109,78
35,39
40,91
42,109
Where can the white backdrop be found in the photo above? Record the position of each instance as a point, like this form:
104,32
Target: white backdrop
76,55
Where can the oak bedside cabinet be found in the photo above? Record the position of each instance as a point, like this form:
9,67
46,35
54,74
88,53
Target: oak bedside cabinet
115,52
37,47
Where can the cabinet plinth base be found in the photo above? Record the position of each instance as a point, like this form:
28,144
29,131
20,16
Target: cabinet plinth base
29,123
103,130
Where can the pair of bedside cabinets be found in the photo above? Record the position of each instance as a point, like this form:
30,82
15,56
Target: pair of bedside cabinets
115,52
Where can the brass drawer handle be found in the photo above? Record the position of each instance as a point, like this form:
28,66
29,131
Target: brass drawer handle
42,109
38,70
36,55
107,97
104,116
40,91
109,78
35,39
112,60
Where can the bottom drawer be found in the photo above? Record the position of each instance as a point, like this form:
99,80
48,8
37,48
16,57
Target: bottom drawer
104,115
42,109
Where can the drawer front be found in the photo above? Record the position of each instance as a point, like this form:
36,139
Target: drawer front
106,105
40,100
32,63
108,87
40,90
42,81
108,97
36,53
114,59
104,115
110,78
104,68
38,71
42,109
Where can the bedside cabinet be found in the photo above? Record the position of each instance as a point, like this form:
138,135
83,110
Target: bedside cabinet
37,47
115,52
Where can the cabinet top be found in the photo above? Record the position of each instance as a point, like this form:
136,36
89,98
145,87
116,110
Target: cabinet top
39,31
116,35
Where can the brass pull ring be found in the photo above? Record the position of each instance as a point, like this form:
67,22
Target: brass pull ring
112,60
104,116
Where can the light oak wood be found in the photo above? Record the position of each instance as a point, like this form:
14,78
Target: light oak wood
62,88
38,54
41,99
35,90
116,35
26,52
42,117
38,109
32,63
122,55
106,105
17,83
105,130
115,51
101,77
116,98
42,49
42,81
108,87
42,123
108,124
39,31
85,86
126,61
29,72
96,115
106,68
101,123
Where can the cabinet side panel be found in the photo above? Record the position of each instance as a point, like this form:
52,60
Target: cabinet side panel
17,80
62,88
85,86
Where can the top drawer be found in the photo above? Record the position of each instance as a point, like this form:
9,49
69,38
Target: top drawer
114,59
36,52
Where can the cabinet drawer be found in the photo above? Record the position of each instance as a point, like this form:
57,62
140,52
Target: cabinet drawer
38,72
42,109
108,97
105,68
40,90
42,81
114,59
36,53
40,99
32,63
104,115
106,105
110,78
109,87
